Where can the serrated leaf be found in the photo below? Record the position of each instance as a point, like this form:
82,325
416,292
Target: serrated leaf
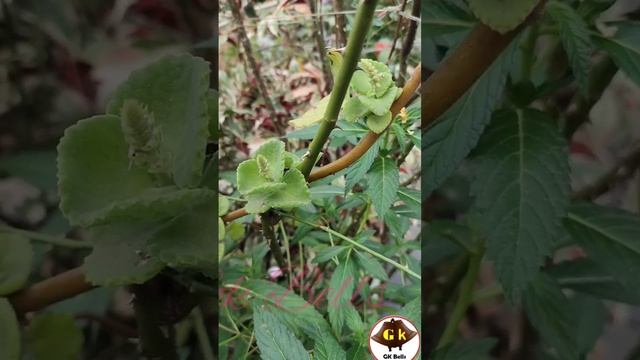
295,194
10,330
500,15
383,184
610,237
16,255
353,320
378,124
119,255
411,198
274,153
187,240
175,90
413,311
522,190
361,83
371,266
586,276
328,253
54,337
274,340
624,48
449,140
380,76
466,350
97,192
327,348
341,287
313,115
379,105
550,312
397,224
357,171
574,34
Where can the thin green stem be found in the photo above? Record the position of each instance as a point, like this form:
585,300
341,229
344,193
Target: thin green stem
396,264
357,37
288,252
464,299
202,334
49,239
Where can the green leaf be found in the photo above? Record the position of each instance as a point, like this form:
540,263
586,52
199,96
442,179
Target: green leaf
212,111
354,109
383,184
54,337
413,311
16,255
187,240
501,15
274,340
249,177
589,316
586,276
328,253
352,319
313,115
444,17
610,237
379,105
10,330
97,185
357,171
551,314
119,255
295,194
574,34
371,266
411,198
223,205
522,190
378,124
175,91
274,153
361,83
380,76
624,48
290,308
449,140
341,287
327,348
466,350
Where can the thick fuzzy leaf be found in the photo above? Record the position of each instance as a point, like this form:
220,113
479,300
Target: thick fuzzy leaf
274,153
381,105
521,189
574,34
354,109
341,287
223,205
379,75
551,313
383,184
357,171
97,192
175,91
248,176
119,255
54,337
466,350
274,340
187,240
15,262
10,330
586,276
448,141
502,15
610,237
378,124
296,193
624,48
361,83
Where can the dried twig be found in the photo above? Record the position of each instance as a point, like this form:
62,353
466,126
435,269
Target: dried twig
408,42
341,36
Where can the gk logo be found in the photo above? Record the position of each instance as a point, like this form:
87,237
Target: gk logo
389,334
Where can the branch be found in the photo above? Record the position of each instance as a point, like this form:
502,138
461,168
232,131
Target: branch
317,34
357,38
408,41
341,37
621,171
360,149
244,39
464,66
60,287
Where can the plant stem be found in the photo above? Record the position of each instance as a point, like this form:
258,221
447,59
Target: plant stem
407,45
317,34
202,334
153,342
268,222
288,252
396,264
364,17
49,239
464,299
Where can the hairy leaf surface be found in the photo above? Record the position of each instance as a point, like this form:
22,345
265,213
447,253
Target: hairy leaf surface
274,340
383,184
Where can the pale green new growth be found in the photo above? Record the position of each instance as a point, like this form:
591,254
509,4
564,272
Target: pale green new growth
500,15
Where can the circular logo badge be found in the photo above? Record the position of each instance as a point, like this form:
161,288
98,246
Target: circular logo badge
394,338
